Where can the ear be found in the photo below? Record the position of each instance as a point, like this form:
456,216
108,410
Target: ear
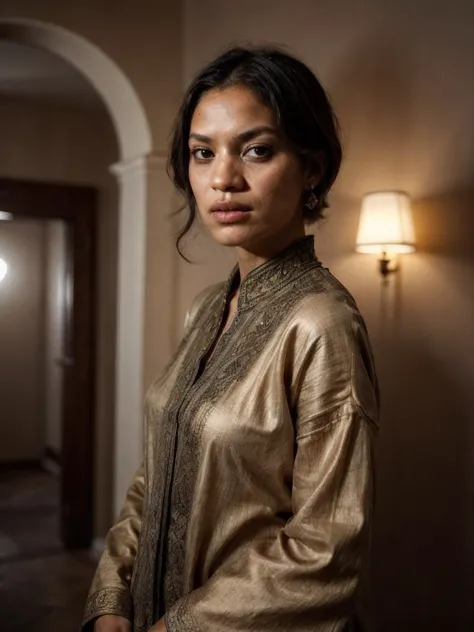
314,169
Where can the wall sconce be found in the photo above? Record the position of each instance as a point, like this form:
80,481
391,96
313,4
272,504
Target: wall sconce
386,228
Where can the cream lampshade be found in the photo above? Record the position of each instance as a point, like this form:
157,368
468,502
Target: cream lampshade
386,226
6,216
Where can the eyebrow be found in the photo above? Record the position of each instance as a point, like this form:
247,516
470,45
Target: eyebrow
243,136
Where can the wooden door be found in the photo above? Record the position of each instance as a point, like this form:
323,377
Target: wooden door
77,207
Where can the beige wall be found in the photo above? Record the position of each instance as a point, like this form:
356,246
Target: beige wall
401,76
55,306
21,342
58,143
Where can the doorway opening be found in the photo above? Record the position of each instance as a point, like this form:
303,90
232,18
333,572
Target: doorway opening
48,307
47,367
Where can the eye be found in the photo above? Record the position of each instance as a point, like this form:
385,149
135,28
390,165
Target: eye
260,152
201,153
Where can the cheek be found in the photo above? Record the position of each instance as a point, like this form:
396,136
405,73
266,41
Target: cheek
199,191
281,187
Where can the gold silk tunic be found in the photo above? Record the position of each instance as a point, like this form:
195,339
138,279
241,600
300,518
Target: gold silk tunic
252,508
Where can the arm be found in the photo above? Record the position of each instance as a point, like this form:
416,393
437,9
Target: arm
306,577
110,590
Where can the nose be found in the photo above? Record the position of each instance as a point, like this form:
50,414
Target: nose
226,174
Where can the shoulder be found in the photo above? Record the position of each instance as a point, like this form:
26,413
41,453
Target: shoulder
203,301
327,306
334,342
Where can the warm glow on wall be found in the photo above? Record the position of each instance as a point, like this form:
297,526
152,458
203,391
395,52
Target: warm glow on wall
3,269
386,226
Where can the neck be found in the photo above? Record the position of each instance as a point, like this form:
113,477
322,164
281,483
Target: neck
249,259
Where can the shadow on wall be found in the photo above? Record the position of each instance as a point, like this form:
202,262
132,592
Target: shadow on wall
373,93
423,549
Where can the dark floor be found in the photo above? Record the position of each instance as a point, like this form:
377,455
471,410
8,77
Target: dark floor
42,587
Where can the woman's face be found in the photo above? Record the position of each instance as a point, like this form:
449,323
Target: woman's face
247,181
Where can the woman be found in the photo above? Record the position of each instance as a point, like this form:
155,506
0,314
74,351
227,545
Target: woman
252,508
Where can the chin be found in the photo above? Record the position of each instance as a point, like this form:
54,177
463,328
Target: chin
232,236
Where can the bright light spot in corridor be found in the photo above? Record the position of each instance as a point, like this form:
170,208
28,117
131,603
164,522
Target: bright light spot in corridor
3,269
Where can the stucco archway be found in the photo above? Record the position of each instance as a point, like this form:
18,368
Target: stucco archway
141,176
106,77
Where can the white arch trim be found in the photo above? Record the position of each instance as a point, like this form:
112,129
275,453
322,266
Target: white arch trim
116,90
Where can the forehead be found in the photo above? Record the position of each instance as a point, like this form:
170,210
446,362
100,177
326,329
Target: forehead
230,110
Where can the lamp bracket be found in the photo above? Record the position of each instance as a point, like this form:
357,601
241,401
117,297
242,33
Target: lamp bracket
387,265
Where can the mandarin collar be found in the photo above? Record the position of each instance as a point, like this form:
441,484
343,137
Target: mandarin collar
275,273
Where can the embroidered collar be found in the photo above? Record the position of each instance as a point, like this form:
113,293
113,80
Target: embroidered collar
275,273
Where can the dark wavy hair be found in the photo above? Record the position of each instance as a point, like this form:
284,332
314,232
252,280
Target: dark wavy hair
287,86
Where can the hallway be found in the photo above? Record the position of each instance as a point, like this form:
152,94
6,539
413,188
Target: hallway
42,587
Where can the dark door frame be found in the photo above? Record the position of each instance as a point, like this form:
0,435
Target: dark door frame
77,206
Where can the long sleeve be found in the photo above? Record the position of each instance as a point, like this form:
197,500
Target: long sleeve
306,577
110,590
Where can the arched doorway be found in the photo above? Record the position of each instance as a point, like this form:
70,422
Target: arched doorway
118,94
136,172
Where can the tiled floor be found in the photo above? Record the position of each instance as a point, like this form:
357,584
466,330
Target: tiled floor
42,587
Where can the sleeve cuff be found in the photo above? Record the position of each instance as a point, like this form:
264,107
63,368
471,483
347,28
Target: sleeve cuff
115,601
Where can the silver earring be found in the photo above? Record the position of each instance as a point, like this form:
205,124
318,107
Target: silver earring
312,201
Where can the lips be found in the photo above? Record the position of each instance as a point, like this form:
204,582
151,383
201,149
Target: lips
229,207
230,212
